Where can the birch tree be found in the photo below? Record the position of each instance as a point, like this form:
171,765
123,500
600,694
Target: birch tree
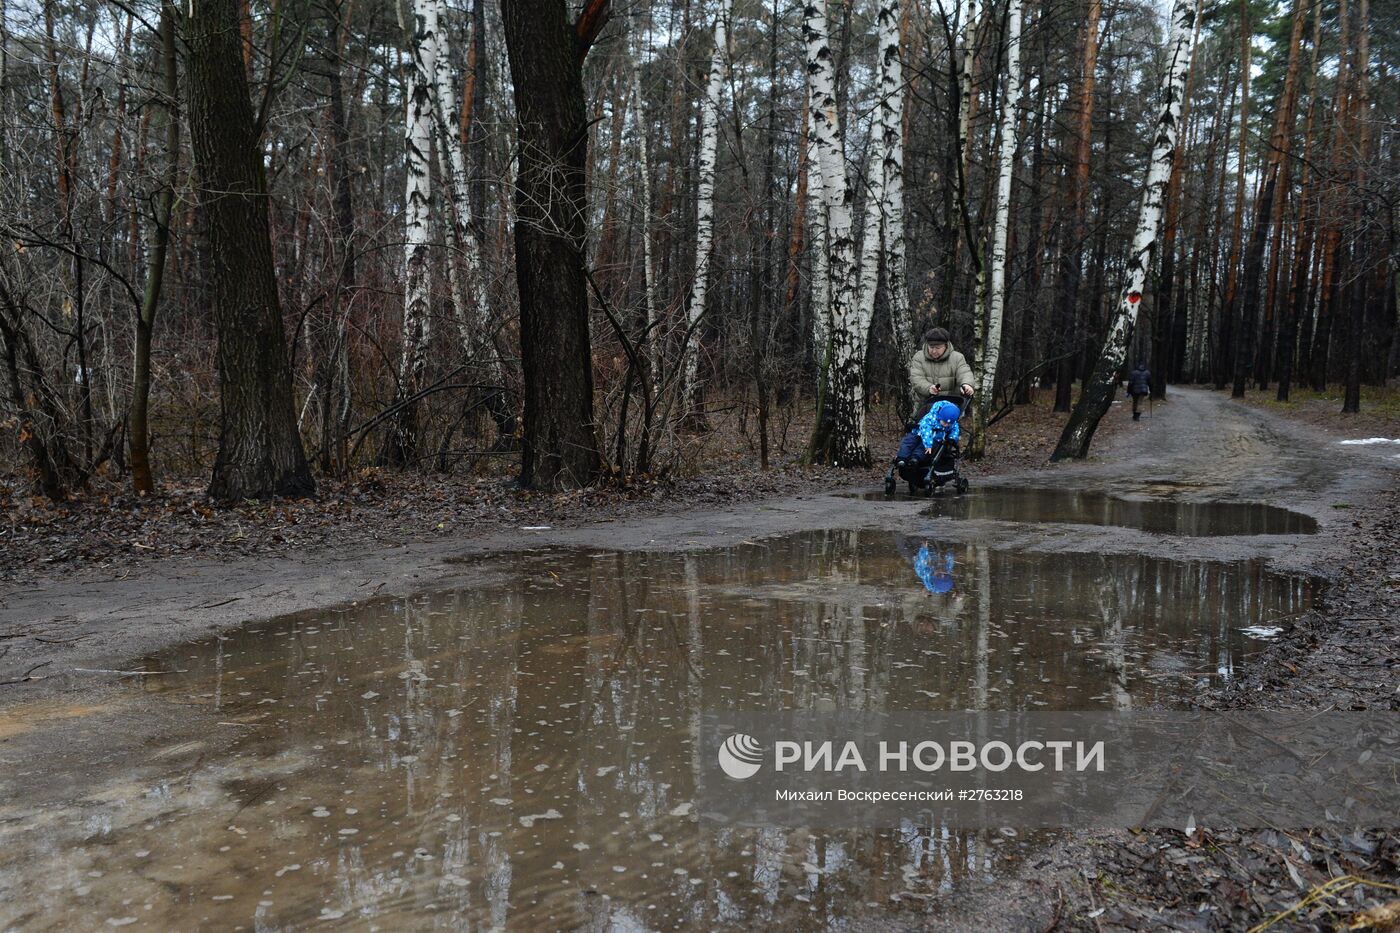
401,445
470,304
892,93
1098,392
989,352
839,438
704,213
821,275
644,178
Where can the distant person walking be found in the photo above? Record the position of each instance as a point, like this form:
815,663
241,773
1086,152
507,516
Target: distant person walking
1139,387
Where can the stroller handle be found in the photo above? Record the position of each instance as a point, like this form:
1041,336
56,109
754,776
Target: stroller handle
957,399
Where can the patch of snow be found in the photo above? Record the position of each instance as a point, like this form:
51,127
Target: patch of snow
1372,440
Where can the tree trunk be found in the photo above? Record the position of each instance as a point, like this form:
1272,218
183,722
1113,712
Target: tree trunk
470,305
142,479
560,444
1351,402
1098,394
705,219
1163,313
1267,204
891,110
1229,308
1067,315
990,353
820,239
1297,300
401,445
653,341
334,374
839,437
260,452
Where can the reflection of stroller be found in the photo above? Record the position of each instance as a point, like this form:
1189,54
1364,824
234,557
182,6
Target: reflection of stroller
924,472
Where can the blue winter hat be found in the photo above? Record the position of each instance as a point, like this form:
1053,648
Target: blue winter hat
946,411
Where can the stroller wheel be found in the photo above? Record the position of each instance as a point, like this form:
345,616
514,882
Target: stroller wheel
913,490
889,485
962,485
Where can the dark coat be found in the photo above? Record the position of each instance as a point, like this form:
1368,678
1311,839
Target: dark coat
1140,381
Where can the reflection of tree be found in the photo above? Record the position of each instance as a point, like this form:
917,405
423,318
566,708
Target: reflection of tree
589,662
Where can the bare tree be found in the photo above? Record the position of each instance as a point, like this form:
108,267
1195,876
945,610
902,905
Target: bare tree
260,451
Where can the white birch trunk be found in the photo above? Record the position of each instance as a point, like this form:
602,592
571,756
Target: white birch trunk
704,213
967,38
469,302
892,95
648,249
817,236
871,226
1098,393
418,125
845,393
990,350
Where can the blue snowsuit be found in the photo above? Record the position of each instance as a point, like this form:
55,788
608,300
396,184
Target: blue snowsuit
930,432
935,571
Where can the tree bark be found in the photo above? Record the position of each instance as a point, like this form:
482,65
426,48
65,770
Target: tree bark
1297,301
260,452
1267,204
546,52
705,219
839,437
1229,309
990,353
1071,250
142,478
892,109
1351,400
401,444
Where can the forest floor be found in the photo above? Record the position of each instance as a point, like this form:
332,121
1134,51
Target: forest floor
91,585
111,531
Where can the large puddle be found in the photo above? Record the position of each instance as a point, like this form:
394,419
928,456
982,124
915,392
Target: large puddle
1087,507
522,754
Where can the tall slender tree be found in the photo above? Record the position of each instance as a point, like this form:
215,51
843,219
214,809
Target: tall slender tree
704,212
989,353
839,437
142,476
1077,195
401,447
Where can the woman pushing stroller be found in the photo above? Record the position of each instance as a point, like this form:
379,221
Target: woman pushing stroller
941,383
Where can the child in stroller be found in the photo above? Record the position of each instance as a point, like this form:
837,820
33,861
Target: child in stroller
928,456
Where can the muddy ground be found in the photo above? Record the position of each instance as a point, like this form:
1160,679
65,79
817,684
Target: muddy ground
75,614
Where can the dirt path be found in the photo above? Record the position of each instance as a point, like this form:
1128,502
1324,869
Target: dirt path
93,736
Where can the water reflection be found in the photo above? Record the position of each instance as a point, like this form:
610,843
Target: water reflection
522,755
1089,507
1161,516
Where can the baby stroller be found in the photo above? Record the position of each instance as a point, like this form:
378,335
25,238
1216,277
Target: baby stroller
928,474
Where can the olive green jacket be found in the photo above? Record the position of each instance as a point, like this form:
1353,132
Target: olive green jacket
948,373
